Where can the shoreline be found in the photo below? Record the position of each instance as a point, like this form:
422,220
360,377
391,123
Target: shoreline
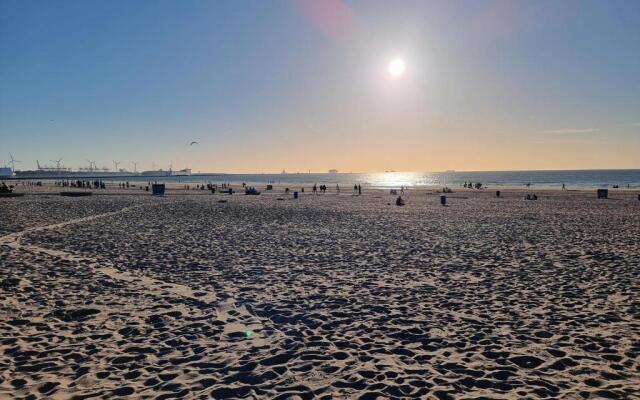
279,188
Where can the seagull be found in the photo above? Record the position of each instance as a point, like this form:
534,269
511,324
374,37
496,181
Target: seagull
192,143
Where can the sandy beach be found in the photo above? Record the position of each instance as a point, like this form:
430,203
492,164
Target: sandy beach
327,296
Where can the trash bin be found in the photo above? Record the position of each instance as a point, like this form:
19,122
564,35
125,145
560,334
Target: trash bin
157,189
443,199
497,193
269,187
230,191
295,195
603,193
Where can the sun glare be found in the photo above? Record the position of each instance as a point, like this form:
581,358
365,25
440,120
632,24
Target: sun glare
396,67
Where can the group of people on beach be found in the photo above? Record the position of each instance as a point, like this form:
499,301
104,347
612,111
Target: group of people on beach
323,188
30,183
5,189
471,185
82,184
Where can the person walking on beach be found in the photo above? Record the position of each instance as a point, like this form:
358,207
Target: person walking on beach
359,190
337,188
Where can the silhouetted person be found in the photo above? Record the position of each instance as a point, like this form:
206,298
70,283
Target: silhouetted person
359,190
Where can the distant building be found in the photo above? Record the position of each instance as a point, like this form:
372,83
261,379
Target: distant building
6,172
182,172
333,171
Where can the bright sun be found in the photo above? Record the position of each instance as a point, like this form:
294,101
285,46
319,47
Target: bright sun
396,67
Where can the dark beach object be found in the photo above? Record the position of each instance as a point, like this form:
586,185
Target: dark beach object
251,191
603,193
222,201
7,191
269,187
497,193
157,189
213,190
295,195
399,201
230,191
443,199
75,194
11,194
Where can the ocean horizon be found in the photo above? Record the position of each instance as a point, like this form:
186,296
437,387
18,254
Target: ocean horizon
542,179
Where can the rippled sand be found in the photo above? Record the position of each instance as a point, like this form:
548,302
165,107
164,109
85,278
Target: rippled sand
328,296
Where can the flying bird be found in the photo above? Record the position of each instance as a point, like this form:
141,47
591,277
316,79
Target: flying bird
192,143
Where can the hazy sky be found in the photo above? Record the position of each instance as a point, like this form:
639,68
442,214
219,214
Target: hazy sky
298,85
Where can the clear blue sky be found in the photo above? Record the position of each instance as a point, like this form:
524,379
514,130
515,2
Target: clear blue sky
266,85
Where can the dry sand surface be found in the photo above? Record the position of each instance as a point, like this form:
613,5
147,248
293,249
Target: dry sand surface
327,296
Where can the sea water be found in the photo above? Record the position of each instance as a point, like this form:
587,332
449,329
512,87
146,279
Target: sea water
541,179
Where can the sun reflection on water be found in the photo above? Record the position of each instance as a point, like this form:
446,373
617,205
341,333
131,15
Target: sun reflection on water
407,179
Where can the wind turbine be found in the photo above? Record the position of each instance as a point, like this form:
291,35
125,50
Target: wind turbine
13,162
115,164
135,166
57,163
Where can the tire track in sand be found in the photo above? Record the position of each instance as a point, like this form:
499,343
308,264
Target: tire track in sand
13,240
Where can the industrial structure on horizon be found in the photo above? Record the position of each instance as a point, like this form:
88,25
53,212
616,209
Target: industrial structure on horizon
58,170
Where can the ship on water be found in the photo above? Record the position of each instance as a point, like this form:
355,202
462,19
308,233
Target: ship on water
164,173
